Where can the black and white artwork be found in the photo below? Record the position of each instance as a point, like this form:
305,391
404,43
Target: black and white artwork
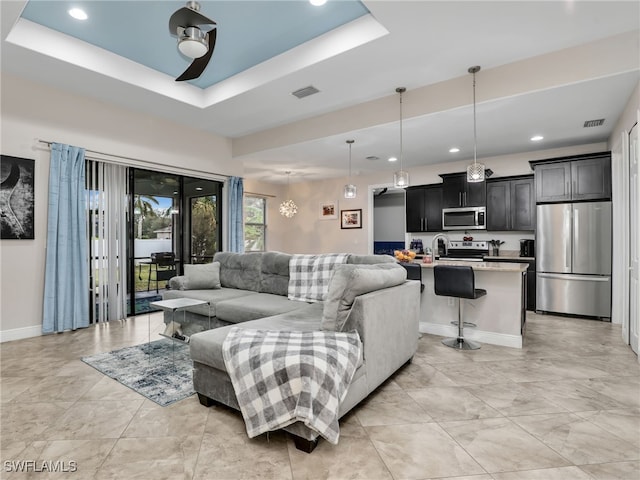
16,197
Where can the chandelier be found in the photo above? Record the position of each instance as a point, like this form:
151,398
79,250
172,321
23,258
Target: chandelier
401,178
350,189
288,208
475,171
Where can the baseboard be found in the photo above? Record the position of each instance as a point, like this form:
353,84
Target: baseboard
20,333
502,339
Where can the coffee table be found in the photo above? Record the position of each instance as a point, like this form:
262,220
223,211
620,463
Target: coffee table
176,305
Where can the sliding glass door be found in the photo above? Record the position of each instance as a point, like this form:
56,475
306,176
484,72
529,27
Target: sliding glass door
176,220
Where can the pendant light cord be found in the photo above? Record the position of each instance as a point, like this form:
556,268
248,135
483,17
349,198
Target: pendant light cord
401,148
475,141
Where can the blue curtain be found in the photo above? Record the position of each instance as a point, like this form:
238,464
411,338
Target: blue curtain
66,283
236,220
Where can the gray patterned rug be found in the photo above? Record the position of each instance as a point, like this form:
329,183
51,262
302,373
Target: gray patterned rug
150,370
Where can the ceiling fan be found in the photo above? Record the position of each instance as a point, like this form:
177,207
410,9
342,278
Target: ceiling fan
188,24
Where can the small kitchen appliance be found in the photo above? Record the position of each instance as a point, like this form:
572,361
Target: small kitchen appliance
527,248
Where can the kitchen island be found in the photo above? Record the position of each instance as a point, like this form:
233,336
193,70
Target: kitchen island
499,315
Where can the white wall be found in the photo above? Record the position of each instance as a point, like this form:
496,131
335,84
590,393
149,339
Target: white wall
618,144
388,217
30,112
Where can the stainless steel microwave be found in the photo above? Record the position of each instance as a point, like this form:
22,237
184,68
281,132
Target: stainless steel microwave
464,218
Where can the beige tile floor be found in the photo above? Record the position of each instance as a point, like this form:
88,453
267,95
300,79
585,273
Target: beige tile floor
566,406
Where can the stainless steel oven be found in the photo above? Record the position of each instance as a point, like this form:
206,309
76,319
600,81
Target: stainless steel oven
465,218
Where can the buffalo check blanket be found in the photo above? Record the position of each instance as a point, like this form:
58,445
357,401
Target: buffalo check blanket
284,377
309,275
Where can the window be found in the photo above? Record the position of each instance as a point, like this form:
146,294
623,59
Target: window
254,223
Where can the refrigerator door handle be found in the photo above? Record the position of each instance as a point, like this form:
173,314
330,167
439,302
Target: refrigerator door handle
584,278
568,244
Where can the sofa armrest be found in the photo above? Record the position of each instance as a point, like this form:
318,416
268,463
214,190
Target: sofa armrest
388,323
177,283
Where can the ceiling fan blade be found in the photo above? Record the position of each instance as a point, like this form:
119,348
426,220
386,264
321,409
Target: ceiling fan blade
185,17
199,64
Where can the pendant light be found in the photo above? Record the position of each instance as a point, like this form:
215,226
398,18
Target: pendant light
288,208
350,189
475,171
401,178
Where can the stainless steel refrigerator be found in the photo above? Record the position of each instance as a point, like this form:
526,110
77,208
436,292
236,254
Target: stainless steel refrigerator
573,256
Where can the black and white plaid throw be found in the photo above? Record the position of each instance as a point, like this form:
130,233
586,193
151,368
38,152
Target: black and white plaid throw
283,377
309,275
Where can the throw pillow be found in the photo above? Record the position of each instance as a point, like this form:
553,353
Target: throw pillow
201,277
349,281
309,275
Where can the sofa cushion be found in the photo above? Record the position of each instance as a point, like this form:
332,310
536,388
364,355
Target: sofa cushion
206,347
239,270
349,281
200,277
274,275
256,306
370,259
209,295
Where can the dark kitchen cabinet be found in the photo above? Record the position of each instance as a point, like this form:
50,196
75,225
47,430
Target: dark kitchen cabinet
457,192
511,203
423,206
580,177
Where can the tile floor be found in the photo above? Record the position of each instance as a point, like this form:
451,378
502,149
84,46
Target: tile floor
566,406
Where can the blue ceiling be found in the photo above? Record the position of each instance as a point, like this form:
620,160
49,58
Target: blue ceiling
249,32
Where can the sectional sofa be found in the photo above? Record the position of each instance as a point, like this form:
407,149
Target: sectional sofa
368,294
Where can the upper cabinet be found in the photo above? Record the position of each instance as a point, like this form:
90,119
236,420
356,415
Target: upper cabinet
457,192
424,208
511,203
580,177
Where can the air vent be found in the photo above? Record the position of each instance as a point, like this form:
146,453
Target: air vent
593,123
372,158
305,92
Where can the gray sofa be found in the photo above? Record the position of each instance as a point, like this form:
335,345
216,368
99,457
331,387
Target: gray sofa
368,294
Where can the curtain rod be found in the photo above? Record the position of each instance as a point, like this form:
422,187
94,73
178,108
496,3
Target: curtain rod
260,194
147,162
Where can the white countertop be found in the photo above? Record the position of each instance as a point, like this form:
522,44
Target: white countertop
480,266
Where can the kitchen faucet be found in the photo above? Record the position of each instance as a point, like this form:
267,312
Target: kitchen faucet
434,244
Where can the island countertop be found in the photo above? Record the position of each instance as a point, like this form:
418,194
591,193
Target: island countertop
484,266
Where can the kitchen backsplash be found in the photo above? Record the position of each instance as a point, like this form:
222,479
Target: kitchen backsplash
511,239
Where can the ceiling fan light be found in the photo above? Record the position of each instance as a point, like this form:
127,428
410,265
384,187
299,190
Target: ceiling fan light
192,42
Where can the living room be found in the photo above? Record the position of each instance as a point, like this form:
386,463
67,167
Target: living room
125,125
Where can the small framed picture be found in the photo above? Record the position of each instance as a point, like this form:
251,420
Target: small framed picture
328,210
351,218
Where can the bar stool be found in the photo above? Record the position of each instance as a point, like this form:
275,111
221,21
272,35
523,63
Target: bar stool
457,281
414,272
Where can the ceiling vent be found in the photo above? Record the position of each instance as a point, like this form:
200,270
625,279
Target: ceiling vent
305,92
372,158
593,123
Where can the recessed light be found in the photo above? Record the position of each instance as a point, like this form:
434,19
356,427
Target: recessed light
198,189
78,14
317,3
393,159
454,150
537,138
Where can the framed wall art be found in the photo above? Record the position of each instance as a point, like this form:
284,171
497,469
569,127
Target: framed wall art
328,210
351,218
16,198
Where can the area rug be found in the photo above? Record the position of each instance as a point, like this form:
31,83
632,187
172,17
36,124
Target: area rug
150,369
